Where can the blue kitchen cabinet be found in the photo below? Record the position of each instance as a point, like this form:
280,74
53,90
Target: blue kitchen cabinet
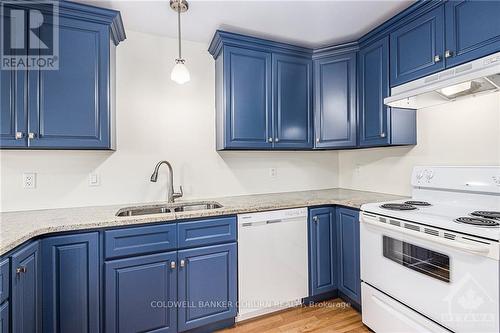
4,318
207,285
349,281
140,294
246,119
378,124
322,251
373,74
335,101
472,30
70,283
417,48
13,119
72,111
70,106
25,296
292,102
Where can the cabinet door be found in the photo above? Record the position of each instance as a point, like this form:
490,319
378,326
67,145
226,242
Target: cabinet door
70,283
248,112
4,318
26,290
348,253
472,30
322,251
292,102
335,101
140,294
207,285
69,107
373,88
12,94
417,48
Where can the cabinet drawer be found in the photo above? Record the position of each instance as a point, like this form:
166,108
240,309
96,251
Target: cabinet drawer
4,280
139,240
206,232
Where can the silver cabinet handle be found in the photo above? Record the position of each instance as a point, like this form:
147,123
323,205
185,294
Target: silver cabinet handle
317,140
183,263
437,58
448,54
315,219
276,140
270,140
21,269
31,135
382,135
172,264
19,135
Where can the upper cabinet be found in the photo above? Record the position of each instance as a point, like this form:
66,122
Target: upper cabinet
373,71
70,106
417,48
472,30
263,94
247,118
450,34
380,125
335,101
292,83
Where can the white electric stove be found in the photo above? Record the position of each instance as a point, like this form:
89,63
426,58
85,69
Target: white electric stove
431,263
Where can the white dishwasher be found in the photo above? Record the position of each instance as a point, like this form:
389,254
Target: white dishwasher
272,261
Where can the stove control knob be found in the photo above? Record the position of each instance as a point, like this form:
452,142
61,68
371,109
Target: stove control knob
429,175
496,180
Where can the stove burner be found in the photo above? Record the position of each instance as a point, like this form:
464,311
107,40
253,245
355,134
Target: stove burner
397,206
487,214
417,203
477,221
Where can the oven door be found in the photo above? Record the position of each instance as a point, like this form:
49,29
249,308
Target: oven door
453,282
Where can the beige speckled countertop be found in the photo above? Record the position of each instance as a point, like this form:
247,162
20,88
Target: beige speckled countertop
18,227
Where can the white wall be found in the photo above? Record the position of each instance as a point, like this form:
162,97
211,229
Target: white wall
158,119
464,132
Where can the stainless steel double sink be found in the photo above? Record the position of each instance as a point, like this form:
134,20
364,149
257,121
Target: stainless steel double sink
168,208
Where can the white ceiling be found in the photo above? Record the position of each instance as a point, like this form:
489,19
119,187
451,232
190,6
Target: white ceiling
307,22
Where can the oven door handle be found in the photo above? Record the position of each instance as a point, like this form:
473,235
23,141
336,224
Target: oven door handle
435,239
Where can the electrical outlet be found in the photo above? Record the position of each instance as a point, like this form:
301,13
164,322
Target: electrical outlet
273,172
94,179
29,180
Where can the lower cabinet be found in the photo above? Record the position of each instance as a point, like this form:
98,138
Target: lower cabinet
70,283
334,252
207,285
26,289
322,251
348,253
140,294
171,292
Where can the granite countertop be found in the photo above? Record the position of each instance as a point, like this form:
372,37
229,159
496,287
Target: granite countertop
18,227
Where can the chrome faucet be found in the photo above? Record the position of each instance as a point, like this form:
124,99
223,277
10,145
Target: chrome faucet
171,195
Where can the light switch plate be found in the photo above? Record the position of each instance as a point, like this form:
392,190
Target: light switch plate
273,172
29,180
94,179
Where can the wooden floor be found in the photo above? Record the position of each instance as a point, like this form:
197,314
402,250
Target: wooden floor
329,316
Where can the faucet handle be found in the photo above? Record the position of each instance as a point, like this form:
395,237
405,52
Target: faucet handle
178,194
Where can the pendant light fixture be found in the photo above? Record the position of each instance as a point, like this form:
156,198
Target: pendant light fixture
180,73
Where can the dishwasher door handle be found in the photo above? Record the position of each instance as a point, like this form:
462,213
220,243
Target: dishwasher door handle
274,221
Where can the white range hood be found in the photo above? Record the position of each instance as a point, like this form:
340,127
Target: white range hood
472,78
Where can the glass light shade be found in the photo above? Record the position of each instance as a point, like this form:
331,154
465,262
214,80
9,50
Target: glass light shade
180,73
